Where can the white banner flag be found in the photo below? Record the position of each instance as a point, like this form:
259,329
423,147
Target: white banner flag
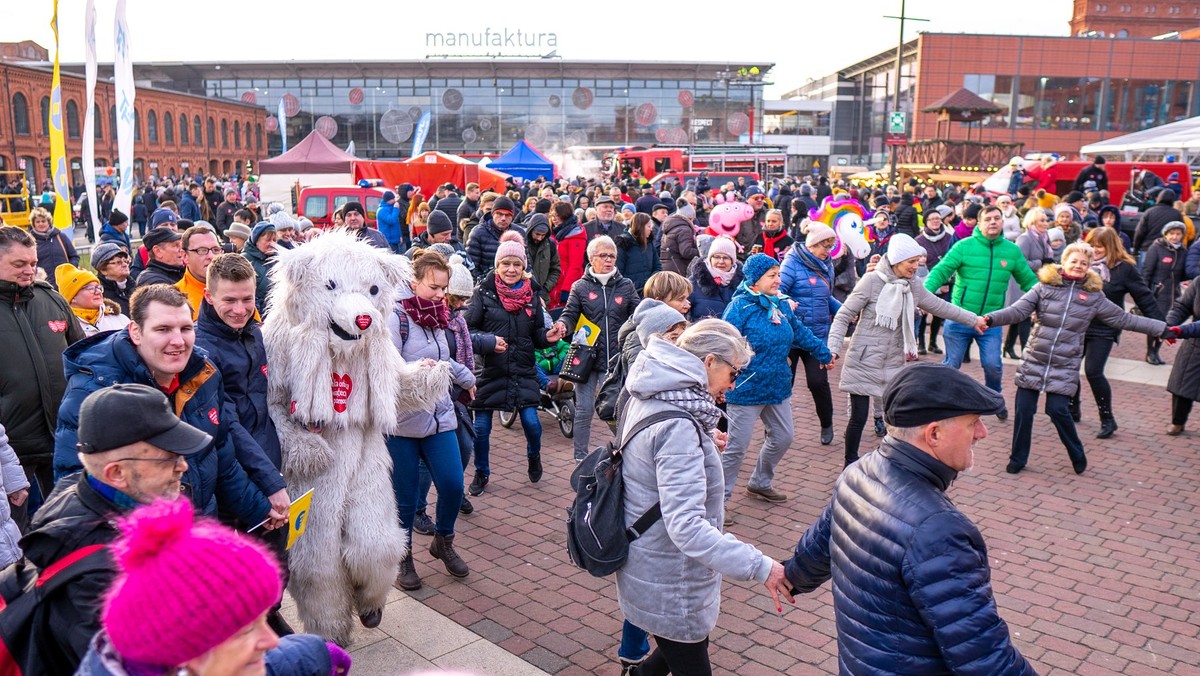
281,115
89,123
124,91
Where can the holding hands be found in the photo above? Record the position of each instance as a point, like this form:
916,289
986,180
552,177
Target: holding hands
982,325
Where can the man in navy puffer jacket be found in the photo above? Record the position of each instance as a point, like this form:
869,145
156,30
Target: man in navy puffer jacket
911,583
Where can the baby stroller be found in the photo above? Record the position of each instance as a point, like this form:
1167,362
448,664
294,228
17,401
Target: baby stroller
558,399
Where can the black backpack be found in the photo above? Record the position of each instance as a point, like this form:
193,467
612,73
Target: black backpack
22,619
597,539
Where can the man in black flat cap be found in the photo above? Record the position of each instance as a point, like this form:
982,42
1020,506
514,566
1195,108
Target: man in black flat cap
354,217
133,448
911,582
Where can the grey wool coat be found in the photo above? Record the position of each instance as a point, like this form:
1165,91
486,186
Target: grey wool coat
670,584
1064,308
876,353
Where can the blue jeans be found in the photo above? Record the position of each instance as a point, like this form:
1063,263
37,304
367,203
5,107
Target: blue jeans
440,453
466,445
635,642
483,437
958,339
542,378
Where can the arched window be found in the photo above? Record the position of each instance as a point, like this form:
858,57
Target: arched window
197,131
72,119
237,135
45,114
152,126
112,122
137,125
212,133
258,137
247,136
97,122
183,129
20,111
225,134
169,128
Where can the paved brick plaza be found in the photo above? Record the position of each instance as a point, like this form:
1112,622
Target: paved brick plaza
1095,574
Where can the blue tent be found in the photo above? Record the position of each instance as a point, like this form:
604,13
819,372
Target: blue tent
525,161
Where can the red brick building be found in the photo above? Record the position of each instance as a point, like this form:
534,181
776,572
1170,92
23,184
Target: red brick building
1130,19
177,134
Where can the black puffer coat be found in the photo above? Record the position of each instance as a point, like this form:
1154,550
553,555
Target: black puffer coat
1124,279
1064,308
606,306
509,378
1185,372
1163,269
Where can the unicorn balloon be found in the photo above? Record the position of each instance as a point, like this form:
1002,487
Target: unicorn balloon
847,218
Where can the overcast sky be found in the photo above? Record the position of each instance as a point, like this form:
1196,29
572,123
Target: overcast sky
804,39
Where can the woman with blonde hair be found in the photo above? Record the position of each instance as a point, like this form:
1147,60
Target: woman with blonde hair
1067,299
53,247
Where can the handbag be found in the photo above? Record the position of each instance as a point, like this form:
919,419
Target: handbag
578,363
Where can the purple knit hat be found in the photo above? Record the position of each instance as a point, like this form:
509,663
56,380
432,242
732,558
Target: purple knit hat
183,586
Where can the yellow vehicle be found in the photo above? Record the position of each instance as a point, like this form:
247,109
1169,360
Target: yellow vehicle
15,208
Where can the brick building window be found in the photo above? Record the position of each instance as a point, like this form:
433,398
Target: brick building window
258,137
97,127
224,133
212,133
183,129
169,128
20,113
247,136
237,135
45,115
72,120
137,125
197,131
152,126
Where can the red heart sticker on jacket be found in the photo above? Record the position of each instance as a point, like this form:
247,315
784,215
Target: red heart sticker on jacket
1168,260
592,295
618,300
341,391
57,325
1083,296
1004,264
213,417
812,280
264,370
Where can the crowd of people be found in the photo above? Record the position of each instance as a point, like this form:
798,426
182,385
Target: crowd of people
136,373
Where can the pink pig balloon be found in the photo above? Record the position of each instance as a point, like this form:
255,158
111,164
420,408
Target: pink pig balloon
726,219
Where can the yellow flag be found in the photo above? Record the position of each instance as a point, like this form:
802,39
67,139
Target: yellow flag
298,517
592,331
58,149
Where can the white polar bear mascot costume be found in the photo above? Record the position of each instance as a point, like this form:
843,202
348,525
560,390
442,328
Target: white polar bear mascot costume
336,386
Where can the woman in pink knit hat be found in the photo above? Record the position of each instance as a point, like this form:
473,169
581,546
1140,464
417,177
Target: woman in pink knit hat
191,598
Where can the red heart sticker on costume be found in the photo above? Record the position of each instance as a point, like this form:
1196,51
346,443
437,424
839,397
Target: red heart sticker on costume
618,300
57,325
1083,296
264,370
212,416
1004,264
1168,259
341,391
363,322
292,410
592,295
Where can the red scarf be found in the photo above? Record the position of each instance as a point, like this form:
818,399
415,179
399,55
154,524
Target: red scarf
769,243
514,299
430,314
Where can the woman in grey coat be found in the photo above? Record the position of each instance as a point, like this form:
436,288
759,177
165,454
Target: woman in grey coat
14,488
885,302
1034,243
670,584
1066,300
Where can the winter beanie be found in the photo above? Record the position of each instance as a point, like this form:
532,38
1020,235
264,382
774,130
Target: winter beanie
756,266
818,232
438,223
161,216
71,279
183,586
722,245
259,230
513,249
117,218
687,211
654,316
902,247
461,283
1173,225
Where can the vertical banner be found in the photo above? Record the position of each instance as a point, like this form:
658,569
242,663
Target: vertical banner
281,115
58,148
124,91
89,121
422,133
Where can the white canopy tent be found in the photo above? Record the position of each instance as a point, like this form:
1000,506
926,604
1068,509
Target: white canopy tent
1180,138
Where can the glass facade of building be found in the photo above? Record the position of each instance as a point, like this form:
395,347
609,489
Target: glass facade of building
478,108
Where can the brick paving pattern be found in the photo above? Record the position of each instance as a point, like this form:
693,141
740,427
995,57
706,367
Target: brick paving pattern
1095,574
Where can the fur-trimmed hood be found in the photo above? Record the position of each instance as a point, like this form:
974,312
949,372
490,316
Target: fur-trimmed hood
1051,275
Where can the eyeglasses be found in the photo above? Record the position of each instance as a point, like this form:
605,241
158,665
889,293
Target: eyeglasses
735,372
606,256
173,459
215,250
93,288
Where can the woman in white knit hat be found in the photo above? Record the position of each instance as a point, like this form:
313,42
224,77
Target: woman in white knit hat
885,302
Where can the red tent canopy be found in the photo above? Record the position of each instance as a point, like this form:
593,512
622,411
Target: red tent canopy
429,170
314,155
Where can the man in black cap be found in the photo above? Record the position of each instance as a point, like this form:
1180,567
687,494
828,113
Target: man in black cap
1093,172
911,581
485,237
166,257
133,463
438,229
354,217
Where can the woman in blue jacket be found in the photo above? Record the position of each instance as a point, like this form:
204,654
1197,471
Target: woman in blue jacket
807,278
769,322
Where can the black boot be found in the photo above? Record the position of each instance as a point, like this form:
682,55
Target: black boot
466,507
478,483
827,435
408,579
535,468
442,548
1108,424
1152,347
921,344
